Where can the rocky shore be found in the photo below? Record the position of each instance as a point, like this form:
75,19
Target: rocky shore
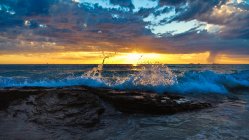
83,106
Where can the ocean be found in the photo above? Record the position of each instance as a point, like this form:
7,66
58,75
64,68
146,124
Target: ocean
182,79
225,86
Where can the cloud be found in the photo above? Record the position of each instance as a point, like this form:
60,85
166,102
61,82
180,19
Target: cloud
179,26
144,4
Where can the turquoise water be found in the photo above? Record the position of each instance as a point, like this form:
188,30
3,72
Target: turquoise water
183,79
225,86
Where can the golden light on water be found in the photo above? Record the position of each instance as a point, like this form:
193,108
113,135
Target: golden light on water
118,58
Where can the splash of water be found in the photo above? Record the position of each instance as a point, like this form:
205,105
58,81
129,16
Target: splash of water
155,75
149,76
157,78
96,72
152,77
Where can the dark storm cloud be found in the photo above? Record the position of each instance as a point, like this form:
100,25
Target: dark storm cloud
66,25
14,11
196,8
29,7
125,3
236,24
172,2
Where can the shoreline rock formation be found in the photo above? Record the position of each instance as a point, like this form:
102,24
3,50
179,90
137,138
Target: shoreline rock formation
83,106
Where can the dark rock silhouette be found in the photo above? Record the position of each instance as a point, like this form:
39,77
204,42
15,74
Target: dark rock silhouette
83,106
67,107
148,103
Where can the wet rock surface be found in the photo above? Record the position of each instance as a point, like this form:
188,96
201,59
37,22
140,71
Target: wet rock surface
68,107
60,104
81,112
149,103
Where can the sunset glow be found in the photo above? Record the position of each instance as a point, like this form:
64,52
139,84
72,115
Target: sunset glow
119,58
146,31
123,69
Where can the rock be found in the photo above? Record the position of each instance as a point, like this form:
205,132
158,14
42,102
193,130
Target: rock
82,106
63,107
7,96
149,103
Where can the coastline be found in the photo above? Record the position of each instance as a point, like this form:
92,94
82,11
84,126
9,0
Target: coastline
81,107
79,111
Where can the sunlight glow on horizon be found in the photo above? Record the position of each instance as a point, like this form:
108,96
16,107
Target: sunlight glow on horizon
119,58
132,32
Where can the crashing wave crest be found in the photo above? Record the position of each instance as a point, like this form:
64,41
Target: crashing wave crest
158,78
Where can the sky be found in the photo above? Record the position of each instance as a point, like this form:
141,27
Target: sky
125,31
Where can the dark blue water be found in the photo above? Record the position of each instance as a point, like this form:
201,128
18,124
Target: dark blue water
221,79
227,86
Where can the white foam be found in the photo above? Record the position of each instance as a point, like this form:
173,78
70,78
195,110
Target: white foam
158,78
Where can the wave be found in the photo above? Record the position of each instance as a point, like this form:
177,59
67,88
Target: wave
6,82
196,82
156,78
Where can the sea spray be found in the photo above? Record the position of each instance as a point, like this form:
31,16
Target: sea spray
156,77
161,79
182,79
96,72
150,78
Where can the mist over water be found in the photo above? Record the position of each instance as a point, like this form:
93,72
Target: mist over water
182,79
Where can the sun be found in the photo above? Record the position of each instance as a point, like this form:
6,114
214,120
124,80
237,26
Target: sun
133,58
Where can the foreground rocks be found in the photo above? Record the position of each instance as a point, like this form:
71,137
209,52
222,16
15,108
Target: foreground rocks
83,106
65,107
149,103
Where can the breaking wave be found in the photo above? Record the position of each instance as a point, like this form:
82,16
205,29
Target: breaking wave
157,78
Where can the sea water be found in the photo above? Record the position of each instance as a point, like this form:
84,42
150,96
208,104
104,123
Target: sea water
226,86
183,79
